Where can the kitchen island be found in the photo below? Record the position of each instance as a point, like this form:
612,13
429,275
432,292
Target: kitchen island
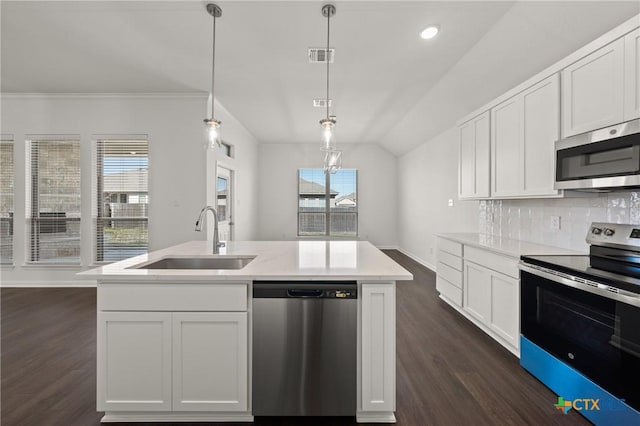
175,344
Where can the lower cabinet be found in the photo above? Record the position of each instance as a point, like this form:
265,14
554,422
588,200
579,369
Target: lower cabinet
134,361
172,361
492,298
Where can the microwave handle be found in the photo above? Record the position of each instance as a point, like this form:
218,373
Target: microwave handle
589,286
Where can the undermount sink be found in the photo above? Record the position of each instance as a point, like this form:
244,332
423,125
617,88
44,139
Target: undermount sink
222,262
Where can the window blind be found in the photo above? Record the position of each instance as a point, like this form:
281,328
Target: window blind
6,200
121,198
53,202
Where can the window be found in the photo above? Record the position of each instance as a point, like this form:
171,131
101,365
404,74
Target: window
223,191
6,200
121,200
226,149
327,203
53,203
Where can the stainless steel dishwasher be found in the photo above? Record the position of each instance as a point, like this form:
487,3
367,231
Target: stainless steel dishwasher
304,348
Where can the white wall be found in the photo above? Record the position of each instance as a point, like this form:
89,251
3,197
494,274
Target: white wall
427,180
244,165
177,164
278,188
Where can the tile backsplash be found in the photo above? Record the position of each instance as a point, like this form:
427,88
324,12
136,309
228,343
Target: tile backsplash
531,220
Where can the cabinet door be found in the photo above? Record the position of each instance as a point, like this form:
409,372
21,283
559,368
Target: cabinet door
378,345
541,118
505,308
477,291
632,75
210,361
474,158
134,361
506,125
592,90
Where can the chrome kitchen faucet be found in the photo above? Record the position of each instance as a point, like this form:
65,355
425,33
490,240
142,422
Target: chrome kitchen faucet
216,241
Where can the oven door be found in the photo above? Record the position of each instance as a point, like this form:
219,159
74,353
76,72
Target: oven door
594,334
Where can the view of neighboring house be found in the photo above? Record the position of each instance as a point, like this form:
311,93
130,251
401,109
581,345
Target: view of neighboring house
126,193
313,195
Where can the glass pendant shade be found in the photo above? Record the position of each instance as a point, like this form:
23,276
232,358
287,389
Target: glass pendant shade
328,128
213,132
333,161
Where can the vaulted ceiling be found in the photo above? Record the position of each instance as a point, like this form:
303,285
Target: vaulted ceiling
388,86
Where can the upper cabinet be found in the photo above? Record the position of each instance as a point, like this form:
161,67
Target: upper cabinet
593,90
473,179
632,75
509,150
524,130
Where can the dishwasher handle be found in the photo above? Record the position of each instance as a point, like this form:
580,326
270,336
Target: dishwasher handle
305,293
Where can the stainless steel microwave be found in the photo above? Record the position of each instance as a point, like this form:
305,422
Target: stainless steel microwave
603,159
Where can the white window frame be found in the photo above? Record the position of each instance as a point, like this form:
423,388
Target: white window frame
7,139
97,200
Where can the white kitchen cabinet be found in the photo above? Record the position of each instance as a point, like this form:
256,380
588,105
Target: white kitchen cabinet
477,291
210,361
524,130
505,148
473,176
449,271
505,300
593,90
632,75
134,361
378,346
154,355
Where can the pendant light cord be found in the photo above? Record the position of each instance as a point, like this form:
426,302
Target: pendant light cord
327,56
213,66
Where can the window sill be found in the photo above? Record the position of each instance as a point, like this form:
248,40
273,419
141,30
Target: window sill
7,267
70,266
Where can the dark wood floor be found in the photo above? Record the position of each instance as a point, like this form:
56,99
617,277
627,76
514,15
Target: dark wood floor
448,372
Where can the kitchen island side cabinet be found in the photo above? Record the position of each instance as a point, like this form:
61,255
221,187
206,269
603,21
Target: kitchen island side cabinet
173,347
473,173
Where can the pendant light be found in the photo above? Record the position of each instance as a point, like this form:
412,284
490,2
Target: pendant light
212,124
333,157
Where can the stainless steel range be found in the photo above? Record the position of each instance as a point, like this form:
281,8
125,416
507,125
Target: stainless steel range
580,324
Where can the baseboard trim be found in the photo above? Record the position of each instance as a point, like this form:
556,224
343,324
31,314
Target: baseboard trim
387,248
381,417
48,284
113,417
417,259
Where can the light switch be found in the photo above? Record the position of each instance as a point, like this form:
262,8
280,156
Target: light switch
450,202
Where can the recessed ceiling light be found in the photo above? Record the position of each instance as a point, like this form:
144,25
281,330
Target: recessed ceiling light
430,32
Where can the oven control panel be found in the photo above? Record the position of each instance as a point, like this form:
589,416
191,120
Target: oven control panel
616,234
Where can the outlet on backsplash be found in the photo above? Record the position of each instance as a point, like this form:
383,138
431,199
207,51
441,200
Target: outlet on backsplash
555,223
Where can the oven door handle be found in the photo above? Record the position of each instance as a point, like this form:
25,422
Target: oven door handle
589,286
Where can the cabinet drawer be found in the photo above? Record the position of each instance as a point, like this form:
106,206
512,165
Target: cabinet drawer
448,259
448,290
503,264
450,246
172,297
448,273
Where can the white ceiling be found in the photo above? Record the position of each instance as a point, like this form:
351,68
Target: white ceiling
388,86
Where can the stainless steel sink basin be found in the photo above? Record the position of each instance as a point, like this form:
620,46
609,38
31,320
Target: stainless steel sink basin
223,262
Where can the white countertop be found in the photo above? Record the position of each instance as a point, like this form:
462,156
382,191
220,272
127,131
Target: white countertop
505,246
299,260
